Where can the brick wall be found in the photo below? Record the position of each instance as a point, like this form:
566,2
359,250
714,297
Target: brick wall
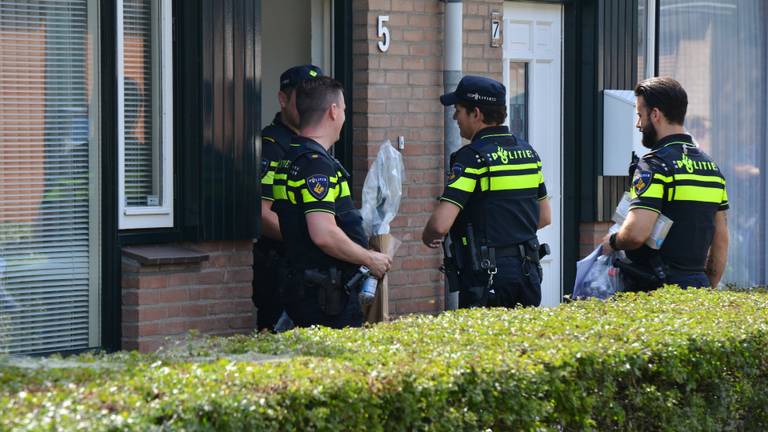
167,292
479,57
396,94
590,235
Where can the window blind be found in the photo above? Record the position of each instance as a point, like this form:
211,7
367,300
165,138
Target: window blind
142,185
44,176
719,52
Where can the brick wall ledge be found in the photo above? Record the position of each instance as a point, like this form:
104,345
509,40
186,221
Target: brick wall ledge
164,254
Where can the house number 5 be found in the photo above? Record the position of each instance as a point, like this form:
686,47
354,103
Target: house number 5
383,32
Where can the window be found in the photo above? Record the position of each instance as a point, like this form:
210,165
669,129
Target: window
145,156
518,99
49,176
719,52
646,29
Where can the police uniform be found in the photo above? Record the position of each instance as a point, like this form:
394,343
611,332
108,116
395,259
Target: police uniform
268,254
269,258
682,182
497,182
310,180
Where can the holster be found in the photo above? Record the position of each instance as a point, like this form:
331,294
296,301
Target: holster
331,295
451,271
641,278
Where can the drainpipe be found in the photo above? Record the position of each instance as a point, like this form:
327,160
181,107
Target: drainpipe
452,55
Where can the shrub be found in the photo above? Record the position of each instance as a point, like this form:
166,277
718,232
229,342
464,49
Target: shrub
671,360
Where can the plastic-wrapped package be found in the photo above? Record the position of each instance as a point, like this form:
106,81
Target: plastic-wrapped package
382,190
660,229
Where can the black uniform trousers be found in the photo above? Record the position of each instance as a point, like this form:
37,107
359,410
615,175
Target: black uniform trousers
303,306
268,262
515,284
674,277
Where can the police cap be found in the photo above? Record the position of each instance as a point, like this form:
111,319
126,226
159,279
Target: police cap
293,76
476,90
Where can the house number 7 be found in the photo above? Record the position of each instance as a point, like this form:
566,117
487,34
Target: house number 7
383,33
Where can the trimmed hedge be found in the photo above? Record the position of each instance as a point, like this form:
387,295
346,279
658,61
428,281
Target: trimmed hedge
672,360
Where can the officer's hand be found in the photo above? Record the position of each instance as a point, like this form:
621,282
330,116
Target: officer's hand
434,244
379,263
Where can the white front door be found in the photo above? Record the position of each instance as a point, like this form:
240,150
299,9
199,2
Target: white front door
533,77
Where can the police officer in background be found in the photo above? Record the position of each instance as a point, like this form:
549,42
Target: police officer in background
268,254
321,228
680,181
494,202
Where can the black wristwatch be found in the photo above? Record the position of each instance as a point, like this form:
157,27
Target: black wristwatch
612,241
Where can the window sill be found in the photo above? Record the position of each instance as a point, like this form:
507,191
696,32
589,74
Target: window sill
164,254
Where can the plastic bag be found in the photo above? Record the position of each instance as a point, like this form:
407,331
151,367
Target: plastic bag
382,190
601,281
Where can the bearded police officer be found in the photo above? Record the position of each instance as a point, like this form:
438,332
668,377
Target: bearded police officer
268,252
321,229
676,179
494,202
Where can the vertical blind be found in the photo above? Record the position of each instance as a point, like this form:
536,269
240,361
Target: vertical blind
44,175
142,185
717,50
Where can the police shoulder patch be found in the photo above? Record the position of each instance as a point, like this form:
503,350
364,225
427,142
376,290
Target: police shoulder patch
318,185
456,171
642,181
264,166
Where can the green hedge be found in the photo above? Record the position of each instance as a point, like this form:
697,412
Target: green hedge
673,360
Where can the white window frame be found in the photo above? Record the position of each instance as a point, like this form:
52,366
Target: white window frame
150,216
94,187
650,40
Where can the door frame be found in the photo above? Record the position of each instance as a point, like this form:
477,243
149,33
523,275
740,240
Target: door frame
531,123
579,99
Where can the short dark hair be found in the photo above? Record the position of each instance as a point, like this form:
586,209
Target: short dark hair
314,97
667,95
288,90
492,114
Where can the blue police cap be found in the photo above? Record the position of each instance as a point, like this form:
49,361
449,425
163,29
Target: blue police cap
476,90
293,76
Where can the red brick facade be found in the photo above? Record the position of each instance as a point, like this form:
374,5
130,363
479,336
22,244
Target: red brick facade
590,235
167,297
396,94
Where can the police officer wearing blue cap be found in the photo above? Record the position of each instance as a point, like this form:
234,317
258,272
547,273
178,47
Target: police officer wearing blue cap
268,253
494,202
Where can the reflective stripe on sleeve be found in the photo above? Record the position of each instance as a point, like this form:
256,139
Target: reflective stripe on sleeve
269,178
464,184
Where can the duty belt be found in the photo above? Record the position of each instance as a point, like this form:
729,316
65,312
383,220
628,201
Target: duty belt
509,251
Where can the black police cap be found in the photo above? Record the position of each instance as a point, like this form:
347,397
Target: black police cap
293,76
476,90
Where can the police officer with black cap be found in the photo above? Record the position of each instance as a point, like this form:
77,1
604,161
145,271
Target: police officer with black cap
494,202
320,226
677,179
268,254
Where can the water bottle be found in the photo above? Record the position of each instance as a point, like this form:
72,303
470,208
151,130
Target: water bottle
368,290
